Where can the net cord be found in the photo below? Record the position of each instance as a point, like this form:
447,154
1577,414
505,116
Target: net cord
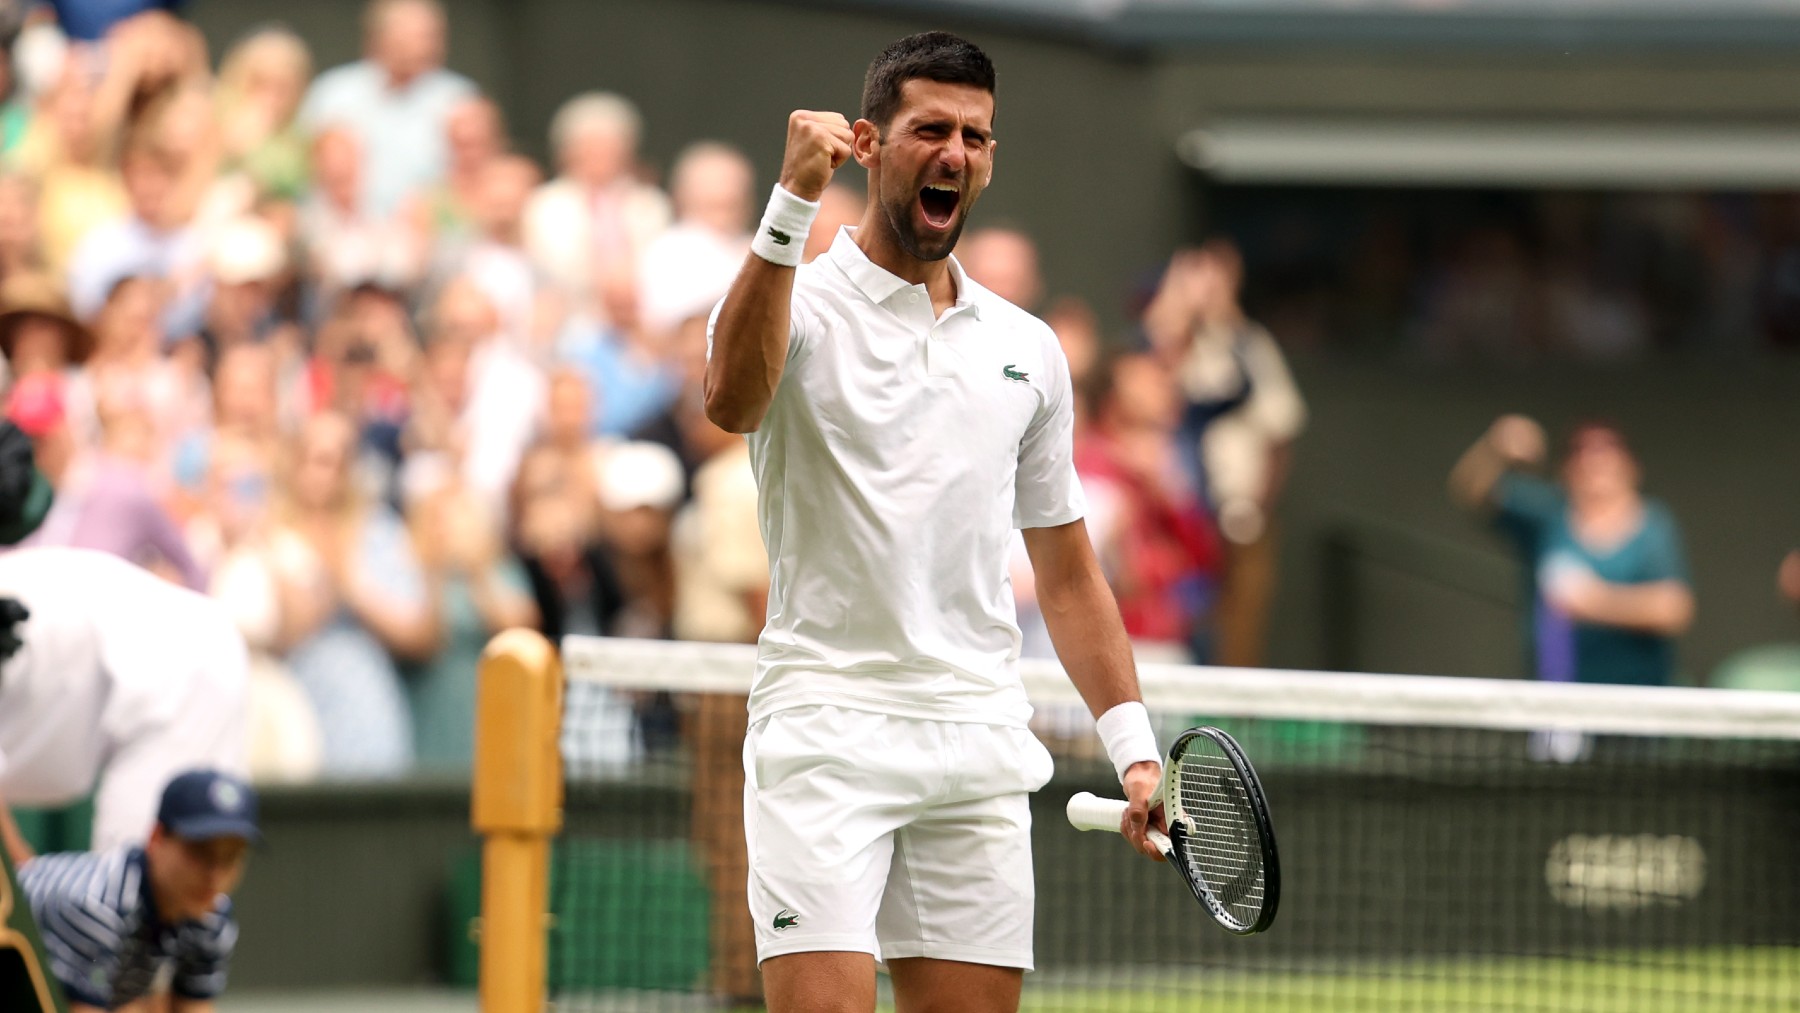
1412,700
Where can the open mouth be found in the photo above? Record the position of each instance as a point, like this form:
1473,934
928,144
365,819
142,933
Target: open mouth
937,202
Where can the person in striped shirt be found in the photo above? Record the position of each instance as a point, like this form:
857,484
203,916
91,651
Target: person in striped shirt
121,928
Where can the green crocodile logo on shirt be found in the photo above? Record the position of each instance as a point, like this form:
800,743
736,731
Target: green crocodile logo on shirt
783,919
781,238
1012,374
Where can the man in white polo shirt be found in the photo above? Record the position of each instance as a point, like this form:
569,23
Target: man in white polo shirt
903,421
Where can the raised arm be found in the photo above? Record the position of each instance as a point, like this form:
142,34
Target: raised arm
1512,441
750,337
1083,619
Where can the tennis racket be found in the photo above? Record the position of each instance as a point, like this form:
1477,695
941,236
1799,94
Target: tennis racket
1220,839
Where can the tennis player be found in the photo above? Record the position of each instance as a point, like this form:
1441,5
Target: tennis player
112,680
903,421
150,922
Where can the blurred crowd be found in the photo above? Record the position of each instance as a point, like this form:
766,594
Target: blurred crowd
322,344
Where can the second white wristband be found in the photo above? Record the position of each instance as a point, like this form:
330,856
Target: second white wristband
781,236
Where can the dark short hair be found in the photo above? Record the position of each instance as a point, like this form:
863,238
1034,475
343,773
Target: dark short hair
932,56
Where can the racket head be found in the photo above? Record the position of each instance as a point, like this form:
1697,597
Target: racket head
1222,840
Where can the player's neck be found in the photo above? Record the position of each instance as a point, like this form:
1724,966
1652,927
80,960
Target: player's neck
878,243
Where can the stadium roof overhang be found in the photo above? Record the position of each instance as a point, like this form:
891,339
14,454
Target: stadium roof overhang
1375,152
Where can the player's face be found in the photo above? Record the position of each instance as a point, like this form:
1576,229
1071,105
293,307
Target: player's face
189,877
933,161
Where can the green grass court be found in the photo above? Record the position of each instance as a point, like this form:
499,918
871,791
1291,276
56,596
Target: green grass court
1687,982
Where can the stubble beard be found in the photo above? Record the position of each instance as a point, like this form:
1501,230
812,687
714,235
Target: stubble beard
899,217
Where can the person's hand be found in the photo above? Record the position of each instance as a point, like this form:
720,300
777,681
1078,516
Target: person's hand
1789,577
1517,439
1574,591
1143,809
817,143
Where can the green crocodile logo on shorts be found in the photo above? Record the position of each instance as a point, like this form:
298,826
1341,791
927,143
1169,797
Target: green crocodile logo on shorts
783,919
781,238
1012,374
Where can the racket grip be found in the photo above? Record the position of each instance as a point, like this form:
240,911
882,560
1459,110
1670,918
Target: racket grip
1088,811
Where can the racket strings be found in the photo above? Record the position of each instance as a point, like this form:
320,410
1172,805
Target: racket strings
1220,838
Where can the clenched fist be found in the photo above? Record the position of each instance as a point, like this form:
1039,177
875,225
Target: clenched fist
817,143
1517,439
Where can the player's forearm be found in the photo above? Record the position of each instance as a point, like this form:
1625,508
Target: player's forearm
1665,607
1083,619
749,346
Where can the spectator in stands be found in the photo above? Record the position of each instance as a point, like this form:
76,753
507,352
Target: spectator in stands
705,247
594,221
556,499
494,257
106,497
248,262
231,529
262,80
128,362
19,253
1150,530
68,150
353,598
475,135
91,20
1243,413
1077,329
481,393
395,102
1003,260
1604,568
839,206
722,595
38,334
347,245
156,240
624,360
478,589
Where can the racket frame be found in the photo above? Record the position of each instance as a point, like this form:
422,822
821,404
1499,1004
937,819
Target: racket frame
1259,812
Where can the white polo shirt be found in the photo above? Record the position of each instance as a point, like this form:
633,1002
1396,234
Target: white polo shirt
899,453
113,656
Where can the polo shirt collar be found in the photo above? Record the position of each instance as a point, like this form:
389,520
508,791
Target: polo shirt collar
879,284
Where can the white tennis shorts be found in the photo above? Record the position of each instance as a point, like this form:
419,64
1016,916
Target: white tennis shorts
892,836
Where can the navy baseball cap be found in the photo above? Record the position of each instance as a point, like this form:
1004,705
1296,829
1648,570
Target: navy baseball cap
202,805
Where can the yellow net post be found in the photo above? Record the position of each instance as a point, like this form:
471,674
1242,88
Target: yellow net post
516,808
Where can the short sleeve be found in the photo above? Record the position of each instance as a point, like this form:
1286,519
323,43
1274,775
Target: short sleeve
203,955
1526,507
1046,491
1664,556
801,325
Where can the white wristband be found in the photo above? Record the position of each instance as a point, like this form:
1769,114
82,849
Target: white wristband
781,238
1126,733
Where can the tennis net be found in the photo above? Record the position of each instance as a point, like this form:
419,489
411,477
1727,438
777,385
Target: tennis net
1446,844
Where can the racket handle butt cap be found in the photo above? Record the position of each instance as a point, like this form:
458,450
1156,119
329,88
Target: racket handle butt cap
1088,811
